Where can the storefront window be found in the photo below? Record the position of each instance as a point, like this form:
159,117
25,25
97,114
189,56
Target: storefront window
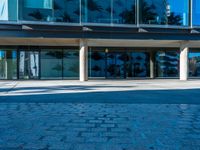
28,64
70,64
51,64
8,64
96,64
194,64
167,64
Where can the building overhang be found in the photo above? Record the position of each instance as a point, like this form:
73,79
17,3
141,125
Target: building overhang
27,30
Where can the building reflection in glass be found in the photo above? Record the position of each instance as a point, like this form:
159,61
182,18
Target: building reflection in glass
167,64
8,64
194,64
29,65
118,64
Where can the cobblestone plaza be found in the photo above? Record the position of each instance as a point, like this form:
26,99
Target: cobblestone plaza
144,115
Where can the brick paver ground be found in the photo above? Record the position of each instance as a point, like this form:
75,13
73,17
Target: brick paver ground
99,126
100,115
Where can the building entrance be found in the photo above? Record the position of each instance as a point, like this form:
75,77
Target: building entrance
118,64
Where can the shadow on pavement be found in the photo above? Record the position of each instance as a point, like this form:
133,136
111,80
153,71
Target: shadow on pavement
181,96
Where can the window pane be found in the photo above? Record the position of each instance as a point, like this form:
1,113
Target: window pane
196,12
28,65
8,64
66,11
51,64
8,10
164,12
194,64
71,64
97,64
96,11
36,10
124,11
167,64
140,64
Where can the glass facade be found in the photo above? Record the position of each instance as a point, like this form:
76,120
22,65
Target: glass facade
167,64
59,64
194,64
49,10
51,64
118,64
28,64
35,63
155,12
70,64
164,12
196,12
8,64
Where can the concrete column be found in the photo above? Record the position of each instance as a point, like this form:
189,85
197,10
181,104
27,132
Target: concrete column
184,70
83,59
152,60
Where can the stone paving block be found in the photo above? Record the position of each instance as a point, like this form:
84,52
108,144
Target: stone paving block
108,125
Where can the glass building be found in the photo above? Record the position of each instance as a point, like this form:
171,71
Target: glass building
111,39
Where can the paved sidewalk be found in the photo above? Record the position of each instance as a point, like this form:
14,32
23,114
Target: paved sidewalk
102,91
99,126
100,115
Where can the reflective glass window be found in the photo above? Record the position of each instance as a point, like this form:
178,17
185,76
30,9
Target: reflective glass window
66,11
140,64
167,64
51,64
124,11
8,10
96,11
36,10
97,64
8,64
194,64
28,64
196,12
70,64
164,12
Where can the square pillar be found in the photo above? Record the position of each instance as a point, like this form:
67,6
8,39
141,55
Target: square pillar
83,60
152,62
184,69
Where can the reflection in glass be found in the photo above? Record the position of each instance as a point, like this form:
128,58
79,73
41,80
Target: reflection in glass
8,10
124,11
70,64
36,10
97,64
140,64
28,65
116,65
167,64
164,12
66,11
8,64
96,11
51,64
194,64
196,12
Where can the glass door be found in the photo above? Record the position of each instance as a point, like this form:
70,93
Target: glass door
115,65
28,64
